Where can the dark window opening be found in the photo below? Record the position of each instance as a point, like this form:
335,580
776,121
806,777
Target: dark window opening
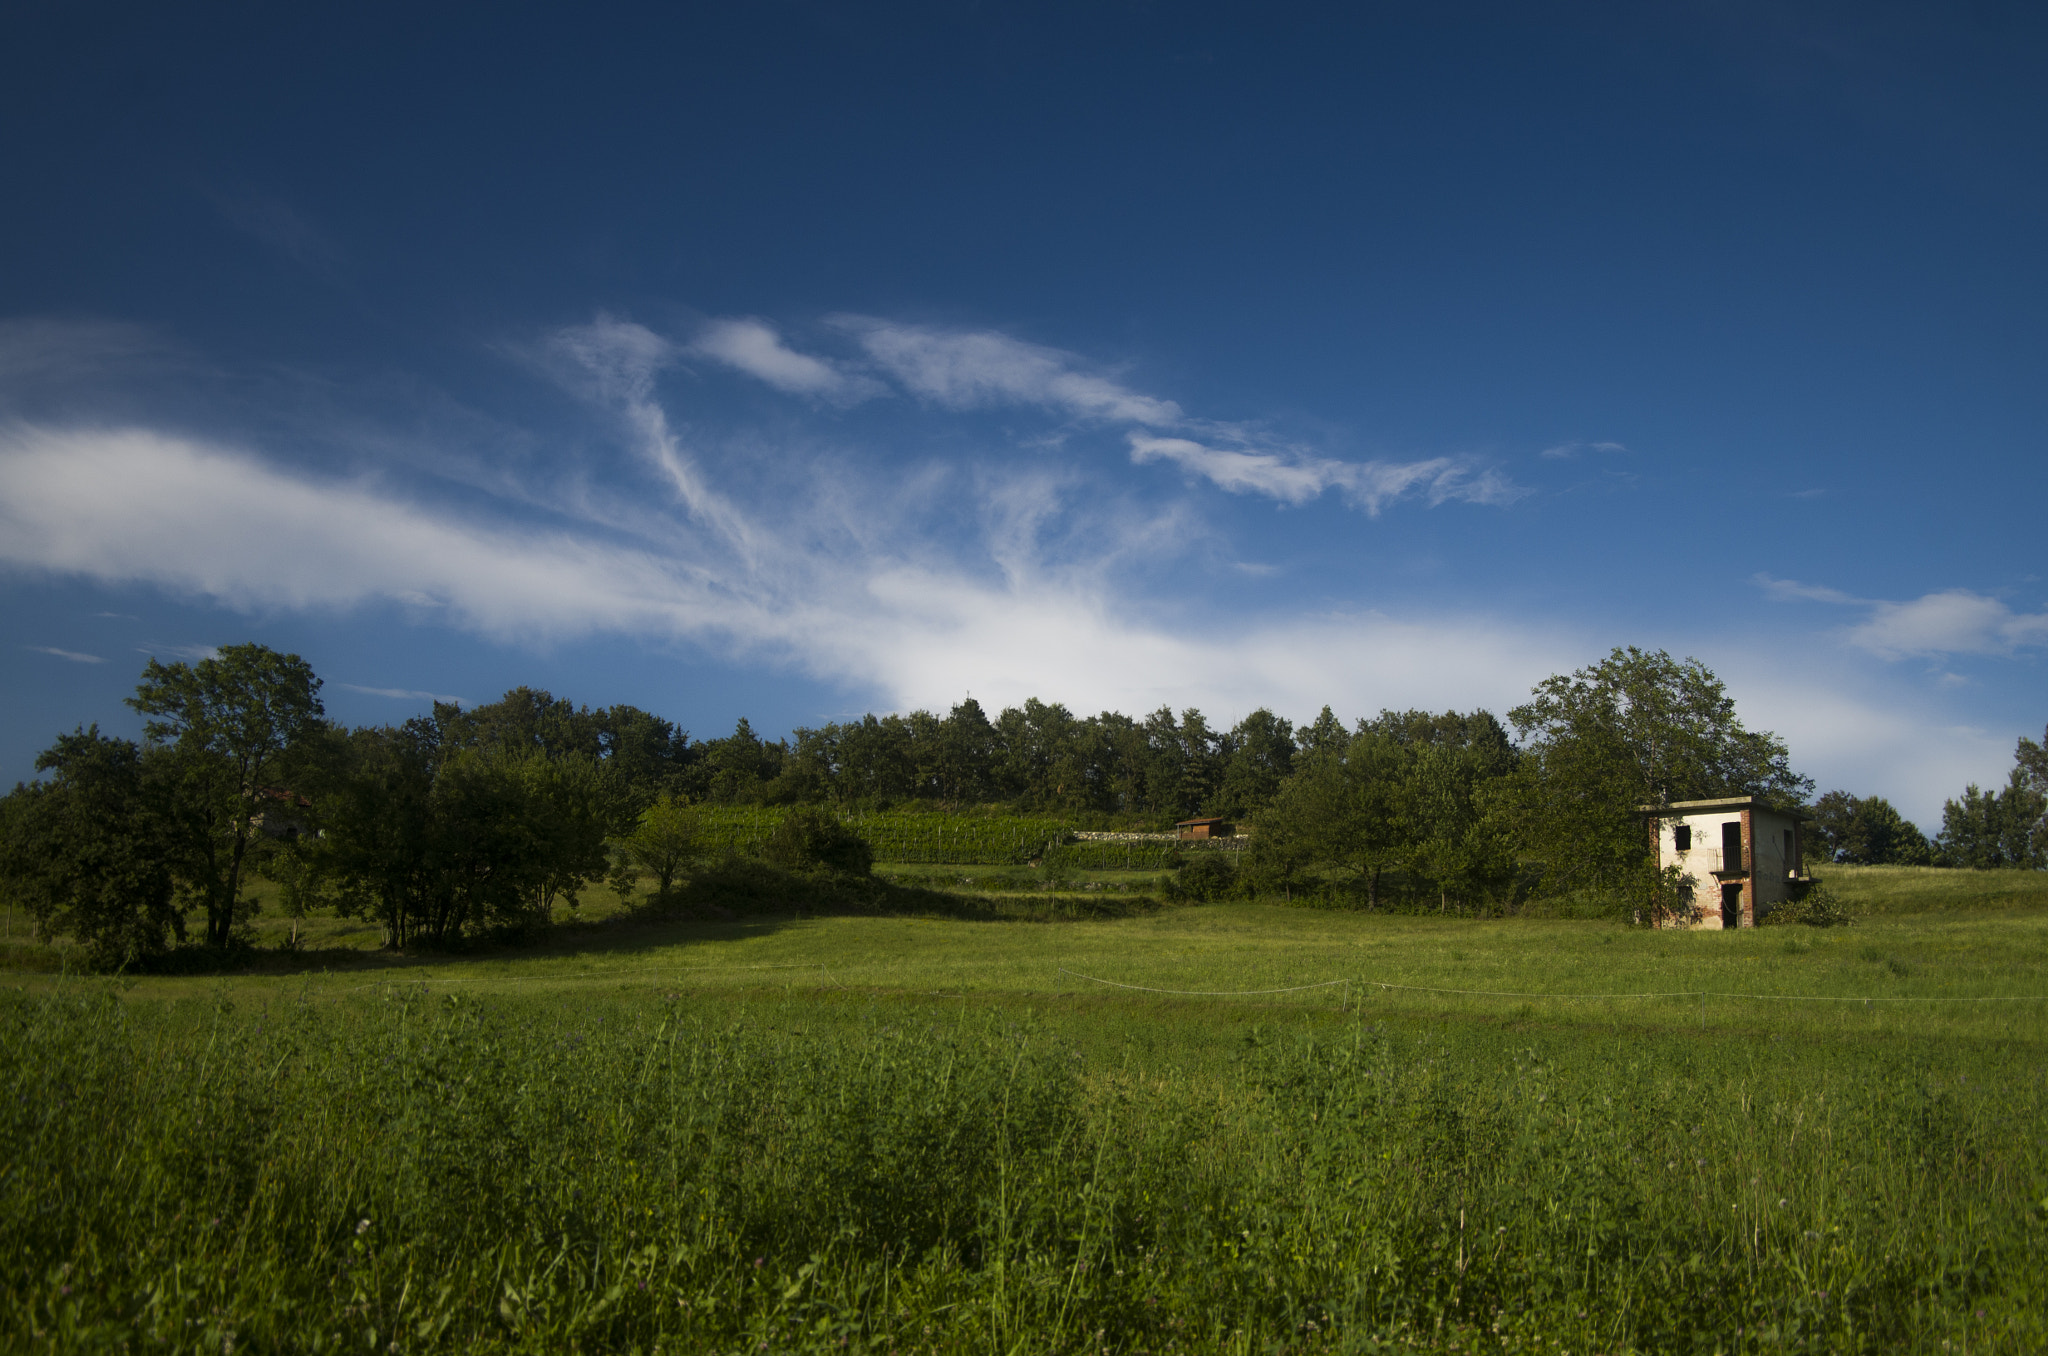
1681,837
1731,846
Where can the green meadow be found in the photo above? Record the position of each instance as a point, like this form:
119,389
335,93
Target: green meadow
1094,1122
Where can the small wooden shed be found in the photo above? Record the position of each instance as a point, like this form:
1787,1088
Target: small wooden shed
1205,828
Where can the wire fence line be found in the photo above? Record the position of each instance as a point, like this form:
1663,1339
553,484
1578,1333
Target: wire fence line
657,974
1205,993
1503,993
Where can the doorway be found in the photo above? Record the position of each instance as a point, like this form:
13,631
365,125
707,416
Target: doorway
1731,846
1731,906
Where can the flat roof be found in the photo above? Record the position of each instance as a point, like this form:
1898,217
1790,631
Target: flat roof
1702,807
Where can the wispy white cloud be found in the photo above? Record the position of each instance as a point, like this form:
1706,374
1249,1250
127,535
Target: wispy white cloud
74,656
1295,478
136,505
619,358
981,369
194,653
401,693
140,507
1954,621
1292,481
1791,590
1565,451
622,358
755,348
1951,621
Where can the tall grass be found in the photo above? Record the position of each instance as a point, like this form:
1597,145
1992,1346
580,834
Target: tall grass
687,1175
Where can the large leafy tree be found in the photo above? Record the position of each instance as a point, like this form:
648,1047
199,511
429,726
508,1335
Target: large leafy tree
2032,759
87,851
1638,728
229,725
436,841
735,769
876,763
383,843
1866,831
1457,829
1985,829
1345,812
1261,756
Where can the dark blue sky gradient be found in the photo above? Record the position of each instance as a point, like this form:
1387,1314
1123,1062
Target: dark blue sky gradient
1788,256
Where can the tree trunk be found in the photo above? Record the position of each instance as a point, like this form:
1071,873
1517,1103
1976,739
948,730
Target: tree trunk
223,925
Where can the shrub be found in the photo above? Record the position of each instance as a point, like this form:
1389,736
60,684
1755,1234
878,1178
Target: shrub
1816,907
809,839
1206,876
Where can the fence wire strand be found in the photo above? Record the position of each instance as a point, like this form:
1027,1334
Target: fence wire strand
1611,997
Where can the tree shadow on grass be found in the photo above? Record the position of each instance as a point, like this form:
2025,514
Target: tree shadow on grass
730,901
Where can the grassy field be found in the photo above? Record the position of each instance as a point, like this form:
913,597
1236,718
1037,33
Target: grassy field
1871,890
1295,1130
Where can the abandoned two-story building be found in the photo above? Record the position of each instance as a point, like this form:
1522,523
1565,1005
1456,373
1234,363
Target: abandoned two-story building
1737,858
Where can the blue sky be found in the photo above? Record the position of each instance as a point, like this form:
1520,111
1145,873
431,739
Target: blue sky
795,360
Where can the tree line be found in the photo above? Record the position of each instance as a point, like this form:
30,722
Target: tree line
464,821
2004,827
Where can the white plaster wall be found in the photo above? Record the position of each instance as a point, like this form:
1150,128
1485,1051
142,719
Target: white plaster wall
1699,862
1768,885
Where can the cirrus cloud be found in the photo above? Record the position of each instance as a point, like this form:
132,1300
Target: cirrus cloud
981,369
756,348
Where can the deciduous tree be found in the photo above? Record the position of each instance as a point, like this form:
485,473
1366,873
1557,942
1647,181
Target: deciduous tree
87,851
1638,728
230,725
664,841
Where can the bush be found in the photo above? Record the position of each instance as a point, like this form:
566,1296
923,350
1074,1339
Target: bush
1816,907
809,839
1206,876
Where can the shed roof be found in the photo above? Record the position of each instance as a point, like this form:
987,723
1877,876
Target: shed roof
1680,808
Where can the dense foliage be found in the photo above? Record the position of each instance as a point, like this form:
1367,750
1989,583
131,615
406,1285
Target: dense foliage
88,851
1637,729
1864,831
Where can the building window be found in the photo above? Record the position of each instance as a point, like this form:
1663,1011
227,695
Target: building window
1731,846
1681,838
